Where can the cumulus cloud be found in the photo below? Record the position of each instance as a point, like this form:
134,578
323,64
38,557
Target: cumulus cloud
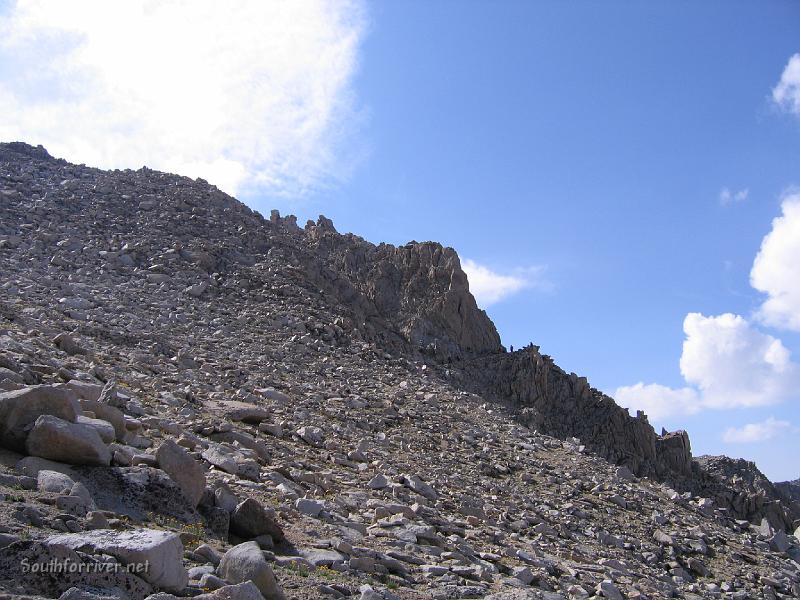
733,364
776,269
787,93
658,401
756,432
248,95
727,364
727,196
490,287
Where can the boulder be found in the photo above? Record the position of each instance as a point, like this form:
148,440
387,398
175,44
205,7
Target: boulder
246,562
67,343
103,428
30,565
108,413
313,436
20,408
157,554
242,591
221,457
249,414
780,542
250,519
87,592
85,390
309,506
31,466
66,442
184,470
423,489
53,481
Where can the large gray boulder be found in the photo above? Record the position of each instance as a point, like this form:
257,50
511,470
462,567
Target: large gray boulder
246,562
71,443
29,564
103,428
157,554
19,409
184,470
85,390
250,519
109,413
53,481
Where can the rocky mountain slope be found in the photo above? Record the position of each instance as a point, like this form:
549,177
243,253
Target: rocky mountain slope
253,409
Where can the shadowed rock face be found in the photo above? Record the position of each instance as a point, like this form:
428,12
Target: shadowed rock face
564,405
743,489
417,292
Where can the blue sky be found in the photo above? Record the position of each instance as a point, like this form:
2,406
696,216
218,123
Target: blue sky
609,168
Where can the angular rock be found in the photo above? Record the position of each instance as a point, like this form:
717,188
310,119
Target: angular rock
62,441
221,457
246,562
311,435
157,554
250,519
19,409
242,591
67,343
85,592
249,414
53,481
309,506
28,563
184,470
103,428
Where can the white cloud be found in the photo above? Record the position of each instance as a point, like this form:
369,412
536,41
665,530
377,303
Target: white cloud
658,401
776,269
787,93
490,287
727,364
734,364
727,197
248,95
756,432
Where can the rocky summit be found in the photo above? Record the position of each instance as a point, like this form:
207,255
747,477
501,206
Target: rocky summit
200,401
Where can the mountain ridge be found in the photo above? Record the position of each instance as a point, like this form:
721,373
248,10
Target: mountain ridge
195,302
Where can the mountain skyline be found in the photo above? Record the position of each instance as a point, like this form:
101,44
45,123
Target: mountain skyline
618,179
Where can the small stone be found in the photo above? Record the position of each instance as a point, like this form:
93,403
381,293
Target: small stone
311,435
378,482
309,507
607,589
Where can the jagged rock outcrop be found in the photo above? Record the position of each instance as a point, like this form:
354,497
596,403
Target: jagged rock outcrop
565,405
417,292
740,487
790,491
